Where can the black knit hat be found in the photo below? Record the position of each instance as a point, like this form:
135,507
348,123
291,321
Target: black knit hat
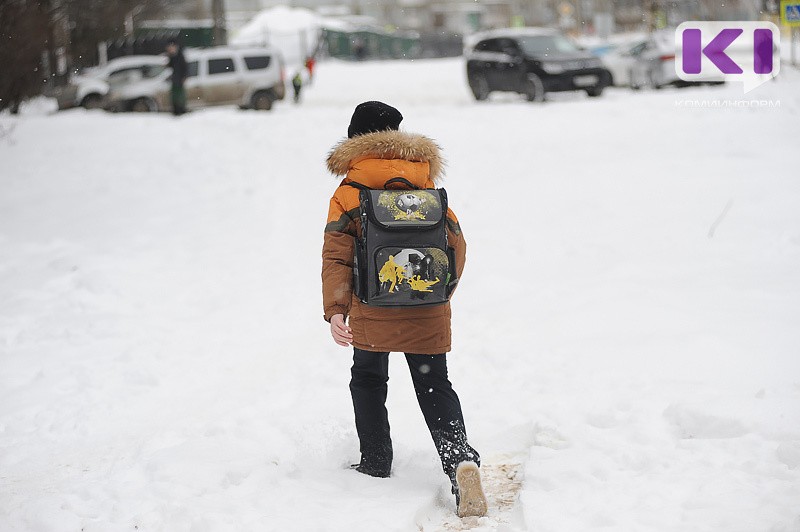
370,117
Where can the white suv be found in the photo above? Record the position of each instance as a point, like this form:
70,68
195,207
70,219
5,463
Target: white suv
247,77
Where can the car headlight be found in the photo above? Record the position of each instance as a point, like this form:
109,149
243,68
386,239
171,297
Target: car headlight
553,68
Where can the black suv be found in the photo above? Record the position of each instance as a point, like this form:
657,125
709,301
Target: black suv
532,62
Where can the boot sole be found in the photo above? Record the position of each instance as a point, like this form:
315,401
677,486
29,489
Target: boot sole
472,499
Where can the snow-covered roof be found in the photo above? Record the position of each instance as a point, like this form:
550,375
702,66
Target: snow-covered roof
349,23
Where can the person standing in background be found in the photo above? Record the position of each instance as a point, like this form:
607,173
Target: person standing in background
310,62
297,84
180,71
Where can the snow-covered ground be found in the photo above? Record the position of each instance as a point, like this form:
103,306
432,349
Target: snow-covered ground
627,326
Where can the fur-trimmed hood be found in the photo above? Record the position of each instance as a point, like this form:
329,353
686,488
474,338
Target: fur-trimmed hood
386,145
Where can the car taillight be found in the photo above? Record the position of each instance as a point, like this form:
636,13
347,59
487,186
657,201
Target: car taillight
283,75
667,57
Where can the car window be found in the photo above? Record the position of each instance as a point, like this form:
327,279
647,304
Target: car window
151,71
508,46
258,62
543,44
122,71
489,45
220,66
639,48
191,69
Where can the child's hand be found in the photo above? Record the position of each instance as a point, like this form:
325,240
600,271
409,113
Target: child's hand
342,334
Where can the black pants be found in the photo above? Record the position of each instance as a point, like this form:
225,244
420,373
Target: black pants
437,400
178,96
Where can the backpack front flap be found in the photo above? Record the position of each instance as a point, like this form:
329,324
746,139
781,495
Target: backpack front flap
405,260
406,209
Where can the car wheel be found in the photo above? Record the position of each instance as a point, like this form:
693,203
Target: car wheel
262,101
479,87
634,83
594,92
142,105
92,101
534,89
653,81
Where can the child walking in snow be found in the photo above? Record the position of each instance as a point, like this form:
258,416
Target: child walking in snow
297,85
377,156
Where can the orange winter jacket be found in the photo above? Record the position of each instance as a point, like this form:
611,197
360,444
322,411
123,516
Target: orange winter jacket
371,160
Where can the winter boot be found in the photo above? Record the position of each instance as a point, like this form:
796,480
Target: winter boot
470,498
371,471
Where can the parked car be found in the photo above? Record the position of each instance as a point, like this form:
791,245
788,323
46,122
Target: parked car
248,77
619,60
89,88
532,62
654,64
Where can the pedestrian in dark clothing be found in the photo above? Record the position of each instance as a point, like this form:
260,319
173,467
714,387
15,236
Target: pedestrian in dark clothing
374,154
359,50
297,84
180,71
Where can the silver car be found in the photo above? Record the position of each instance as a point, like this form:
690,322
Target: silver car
654,63
89,88
247,77
619,59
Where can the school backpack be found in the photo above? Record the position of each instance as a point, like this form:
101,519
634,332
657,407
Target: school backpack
402,258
